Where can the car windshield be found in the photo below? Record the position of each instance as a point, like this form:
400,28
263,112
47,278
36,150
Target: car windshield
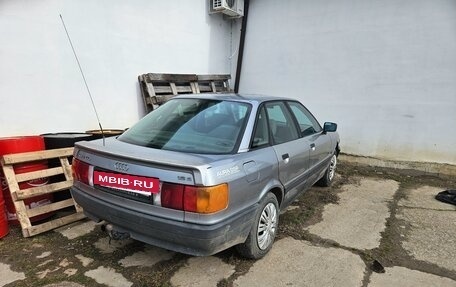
191,125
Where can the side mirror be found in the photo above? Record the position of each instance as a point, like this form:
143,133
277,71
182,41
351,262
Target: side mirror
329,127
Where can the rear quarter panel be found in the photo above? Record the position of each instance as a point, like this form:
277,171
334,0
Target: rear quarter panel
250,175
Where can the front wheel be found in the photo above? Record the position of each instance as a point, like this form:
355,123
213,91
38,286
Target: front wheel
330,172
264,229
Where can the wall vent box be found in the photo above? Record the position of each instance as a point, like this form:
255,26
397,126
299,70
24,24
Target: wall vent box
232,8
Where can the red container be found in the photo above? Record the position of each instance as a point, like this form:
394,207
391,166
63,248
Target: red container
3,219
19,145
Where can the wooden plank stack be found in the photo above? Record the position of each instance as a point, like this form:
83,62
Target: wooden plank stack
23,213
156,89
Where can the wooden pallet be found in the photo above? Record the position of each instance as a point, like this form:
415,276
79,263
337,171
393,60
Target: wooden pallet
214,83
156,89
23,213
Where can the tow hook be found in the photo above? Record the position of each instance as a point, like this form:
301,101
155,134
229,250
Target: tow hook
113,233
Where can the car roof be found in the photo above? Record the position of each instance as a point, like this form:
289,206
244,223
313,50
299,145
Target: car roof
234,97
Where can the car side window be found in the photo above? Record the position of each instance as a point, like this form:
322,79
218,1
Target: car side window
261,133
308,125
281,125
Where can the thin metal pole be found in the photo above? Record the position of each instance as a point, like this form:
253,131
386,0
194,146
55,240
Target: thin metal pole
83,77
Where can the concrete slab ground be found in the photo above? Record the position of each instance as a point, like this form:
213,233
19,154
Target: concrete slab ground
77,229
108,276
149,257
400,276
202,272
44,254
431,235
8,276
424,197
360,216
297,263
85,261
64,284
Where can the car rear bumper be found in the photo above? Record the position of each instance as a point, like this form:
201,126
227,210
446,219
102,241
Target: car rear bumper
188,238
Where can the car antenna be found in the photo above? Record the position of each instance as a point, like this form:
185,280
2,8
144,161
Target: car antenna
83,77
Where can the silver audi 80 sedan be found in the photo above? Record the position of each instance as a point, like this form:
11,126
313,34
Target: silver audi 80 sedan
206,172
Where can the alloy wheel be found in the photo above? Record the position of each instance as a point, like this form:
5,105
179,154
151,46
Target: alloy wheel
332,167
267,226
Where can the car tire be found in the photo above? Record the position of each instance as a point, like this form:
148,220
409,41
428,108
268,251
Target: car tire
330,172
264,229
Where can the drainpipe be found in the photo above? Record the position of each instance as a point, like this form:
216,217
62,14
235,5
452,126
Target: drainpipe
241,46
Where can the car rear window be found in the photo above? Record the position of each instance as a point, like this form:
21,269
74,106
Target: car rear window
191,125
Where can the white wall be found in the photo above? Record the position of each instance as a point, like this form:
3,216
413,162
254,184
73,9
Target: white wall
41,89
384,70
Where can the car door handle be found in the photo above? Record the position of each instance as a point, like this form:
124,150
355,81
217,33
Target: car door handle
312,146
286,158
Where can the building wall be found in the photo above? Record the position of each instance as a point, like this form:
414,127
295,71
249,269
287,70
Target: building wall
41,89
384,70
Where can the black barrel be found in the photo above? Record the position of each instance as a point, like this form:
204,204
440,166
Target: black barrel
61,140
107,133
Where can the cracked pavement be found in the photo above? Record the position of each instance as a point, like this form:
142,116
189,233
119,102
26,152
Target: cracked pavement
328,237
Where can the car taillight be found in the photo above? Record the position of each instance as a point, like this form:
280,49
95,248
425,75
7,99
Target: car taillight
206,199
197,199
172,195
80,171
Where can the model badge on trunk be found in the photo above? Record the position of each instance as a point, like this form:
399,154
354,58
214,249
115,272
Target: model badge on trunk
120,166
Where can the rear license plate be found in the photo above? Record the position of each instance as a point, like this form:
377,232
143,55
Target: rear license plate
139,184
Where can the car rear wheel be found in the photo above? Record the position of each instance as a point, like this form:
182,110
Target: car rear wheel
330,172
264,229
